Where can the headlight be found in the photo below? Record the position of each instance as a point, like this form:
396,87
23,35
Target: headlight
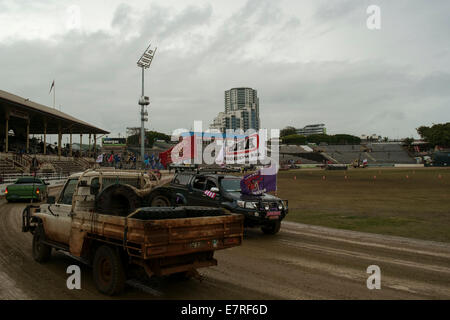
250,205
280,206
247,204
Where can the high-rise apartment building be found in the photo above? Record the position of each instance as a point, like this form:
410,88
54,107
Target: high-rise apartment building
241,111
312,129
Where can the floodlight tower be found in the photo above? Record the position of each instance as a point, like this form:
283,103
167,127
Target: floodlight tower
144,63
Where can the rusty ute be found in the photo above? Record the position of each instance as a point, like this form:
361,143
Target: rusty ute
101,218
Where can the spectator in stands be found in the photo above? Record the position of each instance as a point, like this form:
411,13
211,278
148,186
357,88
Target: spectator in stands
104,160
159,165
34,164
116,161
111,159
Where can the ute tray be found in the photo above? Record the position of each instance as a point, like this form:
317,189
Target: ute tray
163,213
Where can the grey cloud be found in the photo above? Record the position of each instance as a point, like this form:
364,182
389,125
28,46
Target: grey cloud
98,81
159,23
330,10
122,17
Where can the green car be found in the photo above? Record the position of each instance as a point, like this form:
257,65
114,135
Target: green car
27,188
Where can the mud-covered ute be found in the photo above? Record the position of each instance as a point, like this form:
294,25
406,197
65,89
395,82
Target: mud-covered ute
224,191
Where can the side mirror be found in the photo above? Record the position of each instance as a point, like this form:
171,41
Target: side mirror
214,189
51,200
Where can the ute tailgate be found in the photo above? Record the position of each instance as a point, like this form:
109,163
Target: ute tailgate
183,236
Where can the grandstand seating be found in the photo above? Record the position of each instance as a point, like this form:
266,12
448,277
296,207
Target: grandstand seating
65,165
284,158
8,167
375,153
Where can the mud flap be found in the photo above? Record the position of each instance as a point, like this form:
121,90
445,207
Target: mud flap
26,219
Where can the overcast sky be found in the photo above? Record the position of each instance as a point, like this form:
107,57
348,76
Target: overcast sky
311,61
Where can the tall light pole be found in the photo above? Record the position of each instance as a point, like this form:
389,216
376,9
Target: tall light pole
144,63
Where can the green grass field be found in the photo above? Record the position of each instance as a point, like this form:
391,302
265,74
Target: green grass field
409,202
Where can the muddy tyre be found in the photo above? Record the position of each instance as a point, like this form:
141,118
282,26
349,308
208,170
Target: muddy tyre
41,252
271,228
160,201
180,276
118,200
109,273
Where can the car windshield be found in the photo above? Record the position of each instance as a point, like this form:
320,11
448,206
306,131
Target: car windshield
231,185
28,180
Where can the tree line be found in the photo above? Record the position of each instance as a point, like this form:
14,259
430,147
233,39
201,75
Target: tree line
150,138
436,135
289,135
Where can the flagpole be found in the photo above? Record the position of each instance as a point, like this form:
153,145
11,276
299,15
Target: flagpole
54,95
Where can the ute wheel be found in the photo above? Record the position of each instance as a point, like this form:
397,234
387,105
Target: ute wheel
41,252
160,201
271,228
109,274
180,276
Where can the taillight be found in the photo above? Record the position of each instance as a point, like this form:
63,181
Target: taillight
6,190
37,190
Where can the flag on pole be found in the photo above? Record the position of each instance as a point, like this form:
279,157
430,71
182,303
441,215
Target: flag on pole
262,181
99,158
51,87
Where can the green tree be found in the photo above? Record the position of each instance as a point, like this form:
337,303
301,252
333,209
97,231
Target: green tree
436,135
318,138
294,139
150,138
408,141
287,131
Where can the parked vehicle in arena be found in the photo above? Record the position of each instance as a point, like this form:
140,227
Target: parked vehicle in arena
27,188
98,218
218,190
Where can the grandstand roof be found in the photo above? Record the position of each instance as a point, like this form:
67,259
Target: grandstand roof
20,109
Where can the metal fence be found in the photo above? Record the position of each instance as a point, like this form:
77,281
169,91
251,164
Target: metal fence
10,178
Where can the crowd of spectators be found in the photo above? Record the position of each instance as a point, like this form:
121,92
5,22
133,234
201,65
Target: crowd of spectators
128,161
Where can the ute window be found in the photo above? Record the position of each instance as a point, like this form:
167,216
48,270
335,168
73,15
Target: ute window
210,184
67,194
199,183
28,180
231,185
182,179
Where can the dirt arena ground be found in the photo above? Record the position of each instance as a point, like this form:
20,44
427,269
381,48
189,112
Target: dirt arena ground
303,261
403,202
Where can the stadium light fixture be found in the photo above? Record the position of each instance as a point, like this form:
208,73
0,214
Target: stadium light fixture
147,57
144,62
